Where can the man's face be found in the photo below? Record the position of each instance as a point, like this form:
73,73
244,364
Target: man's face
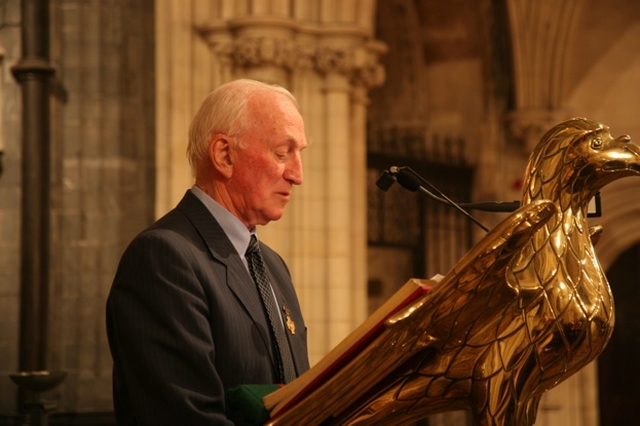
269,164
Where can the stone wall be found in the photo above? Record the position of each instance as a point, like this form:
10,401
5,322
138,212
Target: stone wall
102,184
10,198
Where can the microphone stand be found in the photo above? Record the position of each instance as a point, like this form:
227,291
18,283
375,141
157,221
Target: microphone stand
412,181
409,179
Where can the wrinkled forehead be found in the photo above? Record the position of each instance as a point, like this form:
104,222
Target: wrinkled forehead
271,107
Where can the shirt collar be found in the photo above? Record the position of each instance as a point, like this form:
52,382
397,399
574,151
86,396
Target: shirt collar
235,230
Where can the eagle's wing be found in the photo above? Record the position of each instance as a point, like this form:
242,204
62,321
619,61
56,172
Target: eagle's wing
475,292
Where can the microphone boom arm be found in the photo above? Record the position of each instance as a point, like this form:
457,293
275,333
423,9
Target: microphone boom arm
412,181
453,204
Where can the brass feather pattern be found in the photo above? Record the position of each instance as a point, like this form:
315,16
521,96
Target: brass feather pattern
524,309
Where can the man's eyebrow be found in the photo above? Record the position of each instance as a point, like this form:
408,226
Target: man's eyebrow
296,143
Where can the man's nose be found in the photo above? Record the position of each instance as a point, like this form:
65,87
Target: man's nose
293,172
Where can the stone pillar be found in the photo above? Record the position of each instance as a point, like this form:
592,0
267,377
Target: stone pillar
358,182
339,207
540,38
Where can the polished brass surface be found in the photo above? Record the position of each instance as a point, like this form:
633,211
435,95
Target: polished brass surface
524,309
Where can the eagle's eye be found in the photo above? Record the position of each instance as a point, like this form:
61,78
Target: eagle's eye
596,143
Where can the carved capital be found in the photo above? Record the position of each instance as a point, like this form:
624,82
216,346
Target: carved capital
260,51
223,50
361,63
333,60
367,70
358,62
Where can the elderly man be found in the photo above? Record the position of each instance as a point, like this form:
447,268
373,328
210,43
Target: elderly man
197,305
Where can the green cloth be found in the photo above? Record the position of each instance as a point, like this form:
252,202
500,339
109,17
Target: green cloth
244,404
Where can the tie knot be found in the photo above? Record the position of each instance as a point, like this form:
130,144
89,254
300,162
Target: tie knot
253,246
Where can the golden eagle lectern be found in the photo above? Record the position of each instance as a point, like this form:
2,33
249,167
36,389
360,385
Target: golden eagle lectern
524,309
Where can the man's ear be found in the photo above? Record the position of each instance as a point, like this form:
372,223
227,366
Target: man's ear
220,154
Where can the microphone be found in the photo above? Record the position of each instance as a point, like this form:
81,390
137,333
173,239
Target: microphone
386,180
407,179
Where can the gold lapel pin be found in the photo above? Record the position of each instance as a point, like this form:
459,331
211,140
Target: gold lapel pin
287,317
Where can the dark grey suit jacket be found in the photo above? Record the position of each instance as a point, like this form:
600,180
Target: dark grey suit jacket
185,322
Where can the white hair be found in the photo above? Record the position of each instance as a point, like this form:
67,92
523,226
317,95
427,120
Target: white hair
224,111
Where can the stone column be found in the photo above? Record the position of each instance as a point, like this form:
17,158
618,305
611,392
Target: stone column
339,208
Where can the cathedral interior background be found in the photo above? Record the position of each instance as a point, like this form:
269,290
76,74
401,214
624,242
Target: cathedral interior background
460,91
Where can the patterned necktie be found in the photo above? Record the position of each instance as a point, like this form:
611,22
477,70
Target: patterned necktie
258,270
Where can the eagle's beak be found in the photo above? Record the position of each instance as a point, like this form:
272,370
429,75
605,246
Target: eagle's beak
623,157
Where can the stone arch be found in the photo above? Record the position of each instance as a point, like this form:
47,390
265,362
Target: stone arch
607,93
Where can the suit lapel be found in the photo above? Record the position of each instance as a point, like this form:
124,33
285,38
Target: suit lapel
241,283
238,278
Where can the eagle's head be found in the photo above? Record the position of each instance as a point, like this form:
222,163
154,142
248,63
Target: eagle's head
575,159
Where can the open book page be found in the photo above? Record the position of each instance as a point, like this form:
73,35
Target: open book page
288,395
